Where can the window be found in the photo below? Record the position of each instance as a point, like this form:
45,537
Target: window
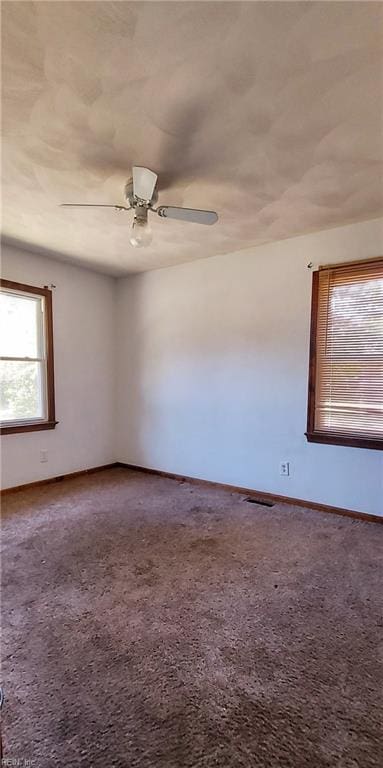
26,358
345,404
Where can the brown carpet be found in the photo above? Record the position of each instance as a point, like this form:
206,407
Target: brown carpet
151,623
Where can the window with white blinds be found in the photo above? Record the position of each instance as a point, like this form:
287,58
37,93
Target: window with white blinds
346,355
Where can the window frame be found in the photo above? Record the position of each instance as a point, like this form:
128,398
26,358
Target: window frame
313,435
50,421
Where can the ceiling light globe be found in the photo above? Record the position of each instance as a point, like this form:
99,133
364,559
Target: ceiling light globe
140,233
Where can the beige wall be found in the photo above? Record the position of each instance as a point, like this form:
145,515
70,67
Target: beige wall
213,363
211,374
84,325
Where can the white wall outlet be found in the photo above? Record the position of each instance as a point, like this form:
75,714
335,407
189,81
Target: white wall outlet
284,468
43,455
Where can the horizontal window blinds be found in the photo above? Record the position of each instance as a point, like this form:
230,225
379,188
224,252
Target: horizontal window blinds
349,351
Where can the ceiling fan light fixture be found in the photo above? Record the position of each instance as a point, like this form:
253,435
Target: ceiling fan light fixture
141,232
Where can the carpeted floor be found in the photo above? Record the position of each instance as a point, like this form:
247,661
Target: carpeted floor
150,623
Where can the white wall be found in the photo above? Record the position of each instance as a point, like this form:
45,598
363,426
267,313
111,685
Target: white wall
84,345
212,373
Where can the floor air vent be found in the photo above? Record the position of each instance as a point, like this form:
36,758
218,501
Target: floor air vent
262,502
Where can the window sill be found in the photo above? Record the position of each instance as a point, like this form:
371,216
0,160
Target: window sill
346,440
10,430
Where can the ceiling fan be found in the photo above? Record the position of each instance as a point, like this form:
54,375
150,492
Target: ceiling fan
140,192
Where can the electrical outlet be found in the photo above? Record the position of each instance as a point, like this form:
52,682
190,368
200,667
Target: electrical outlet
284,468
43,455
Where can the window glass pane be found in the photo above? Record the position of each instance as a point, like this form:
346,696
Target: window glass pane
21,390
355,315
20,320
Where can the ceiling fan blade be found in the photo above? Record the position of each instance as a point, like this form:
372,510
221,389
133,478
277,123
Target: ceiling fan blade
94,205
144,182
187,214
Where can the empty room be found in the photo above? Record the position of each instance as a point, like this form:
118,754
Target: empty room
191,308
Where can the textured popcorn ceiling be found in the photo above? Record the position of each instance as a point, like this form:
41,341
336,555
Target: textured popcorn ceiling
270,113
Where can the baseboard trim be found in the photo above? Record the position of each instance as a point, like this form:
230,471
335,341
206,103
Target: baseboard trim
262,495
57,479
259,494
